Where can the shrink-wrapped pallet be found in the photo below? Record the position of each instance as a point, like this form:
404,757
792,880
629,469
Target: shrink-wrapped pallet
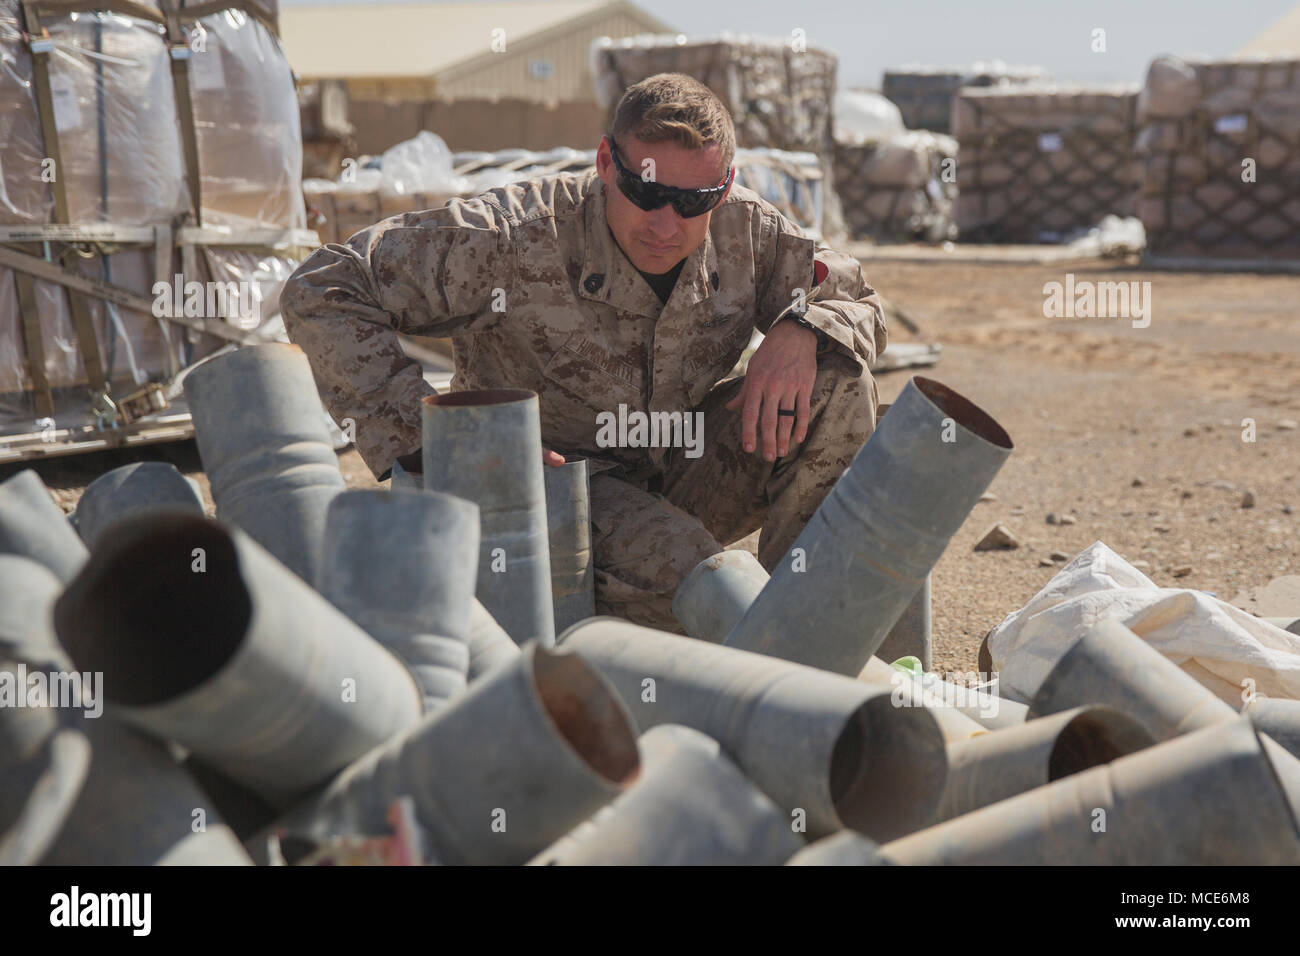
925,94
1036,164
901,187
119,133
1219,151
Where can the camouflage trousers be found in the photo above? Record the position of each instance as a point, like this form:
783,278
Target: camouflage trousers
647,536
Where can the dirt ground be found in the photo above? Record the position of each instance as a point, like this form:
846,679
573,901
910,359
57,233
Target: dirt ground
1135,432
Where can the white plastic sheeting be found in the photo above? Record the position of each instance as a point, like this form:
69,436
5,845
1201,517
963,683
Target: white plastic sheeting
1229,651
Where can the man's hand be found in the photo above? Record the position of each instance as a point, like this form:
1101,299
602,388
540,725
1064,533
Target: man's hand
780,376
552,458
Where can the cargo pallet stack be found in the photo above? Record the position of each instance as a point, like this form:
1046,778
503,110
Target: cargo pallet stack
1039,163
925,94
1219,147
143,141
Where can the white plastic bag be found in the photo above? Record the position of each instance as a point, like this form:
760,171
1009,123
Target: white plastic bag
1229,651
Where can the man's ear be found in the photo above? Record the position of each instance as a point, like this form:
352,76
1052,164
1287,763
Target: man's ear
604,161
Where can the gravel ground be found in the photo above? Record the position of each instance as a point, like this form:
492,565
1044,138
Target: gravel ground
1135,433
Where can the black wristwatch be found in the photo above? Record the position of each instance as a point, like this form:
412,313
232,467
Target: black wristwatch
823,340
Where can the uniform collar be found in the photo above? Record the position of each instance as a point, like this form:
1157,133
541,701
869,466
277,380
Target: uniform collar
608,275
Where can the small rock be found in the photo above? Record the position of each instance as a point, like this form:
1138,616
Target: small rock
1163,528
1141,565
1137,482
998,538
988,496
1069,519
1248,499
1045,562
1186,493
1286,509
1189,432
1288,425
1052,518
1059,556
1214,556
1182,571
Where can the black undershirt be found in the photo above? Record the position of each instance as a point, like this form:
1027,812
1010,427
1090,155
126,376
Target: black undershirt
663,283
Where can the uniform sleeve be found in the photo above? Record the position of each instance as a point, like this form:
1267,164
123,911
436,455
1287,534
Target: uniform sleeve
442,272
841,304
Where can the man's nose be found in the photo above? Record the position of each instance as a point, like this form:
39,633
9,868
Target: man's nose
663,222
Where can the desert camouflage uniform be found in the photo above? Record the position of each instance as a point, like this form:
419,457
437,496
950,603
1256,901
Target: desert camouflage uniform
534,292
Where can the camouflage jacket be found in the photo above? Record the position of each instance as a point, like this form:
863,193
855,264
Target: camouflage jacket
534,292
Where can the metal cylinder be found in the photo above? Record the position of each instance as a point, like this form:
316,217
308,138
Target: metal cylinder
489,644
486,447
717,593
867,550
73,781
28,590
845,848
1222,795
953,724
998,765
402,564
205,639
910,636
568,528
266,449
988,710
403,480
81,789
1112,665
1279,718
690,806
32,525
139,807
498,774
837,749
131,490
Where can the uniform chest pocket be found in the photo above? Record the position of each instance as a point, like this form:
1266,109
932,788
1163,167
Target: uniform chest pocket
712,354
595,373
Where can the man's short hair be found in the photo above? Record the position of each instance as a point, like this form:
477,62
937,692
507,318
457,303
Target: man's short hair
678,108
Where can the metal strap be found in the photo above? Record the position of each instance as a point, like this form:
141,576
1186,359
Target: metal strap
35,344
52,272
81,321
179,48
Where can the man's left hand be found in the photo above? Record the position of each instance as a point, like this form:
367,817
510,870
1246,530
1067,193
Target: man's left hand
780,376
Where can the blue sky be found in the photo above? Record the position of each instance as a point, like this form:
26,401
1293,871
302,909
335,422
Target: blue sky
1055,34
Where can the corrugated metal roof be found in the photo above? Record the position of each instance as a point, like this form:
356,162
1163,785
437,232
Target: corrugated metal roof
412,39
1282,37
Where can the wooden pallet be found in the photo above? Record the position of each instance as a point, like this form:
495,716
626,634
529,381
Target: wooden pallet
79,439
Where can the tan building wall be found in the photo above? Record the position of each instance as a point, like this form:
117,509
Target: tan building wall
472,124
548,68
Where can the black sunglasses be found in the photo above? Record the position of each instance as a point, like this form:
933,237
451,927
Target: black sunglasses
688,203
